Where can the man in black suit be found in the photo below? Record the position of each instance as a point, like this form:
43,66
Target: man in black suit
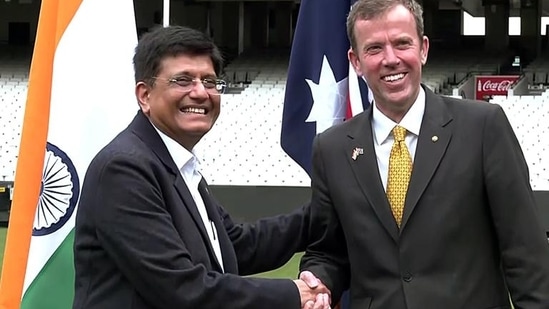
425,200
148,232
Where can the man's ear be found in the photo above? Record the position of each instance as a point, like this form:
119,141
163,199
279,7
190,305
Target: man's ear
143,93
424,50
353,59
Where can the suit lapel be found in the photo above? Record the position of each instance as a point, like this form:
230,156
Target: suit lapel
189,203
366,171
433,140
142,127
227,251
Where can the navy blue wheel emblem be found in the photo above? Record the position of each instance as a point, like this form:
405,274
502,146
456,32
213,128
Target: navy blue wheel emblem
58,192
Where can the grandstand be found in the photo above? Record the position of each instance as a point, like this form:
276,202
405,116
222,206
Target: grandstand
243,147
14,74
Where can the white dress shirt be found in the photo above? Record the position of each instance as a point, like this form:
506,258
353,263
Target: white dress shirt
189,167
382,128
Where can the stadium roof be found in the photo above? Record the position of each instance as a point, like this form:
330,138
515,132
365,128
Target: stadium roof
475,7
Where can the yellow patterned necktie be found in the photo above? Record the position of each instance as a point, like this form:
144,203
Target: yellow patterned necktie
400,169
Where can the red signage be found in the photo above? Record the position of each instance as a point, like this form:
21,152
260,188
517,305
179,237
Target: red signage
489,85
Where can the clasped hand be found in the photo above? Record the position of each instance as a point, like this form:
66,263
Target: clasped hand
314,294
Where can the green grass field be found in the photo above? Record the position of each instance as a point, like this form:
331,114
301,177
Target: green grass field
3,231
287,271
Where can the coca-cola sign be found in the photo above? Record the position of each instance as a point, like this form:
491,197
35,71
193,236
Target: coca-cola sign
490,85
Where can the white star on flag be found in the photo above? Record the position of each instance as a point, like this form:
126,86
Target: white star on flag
329,97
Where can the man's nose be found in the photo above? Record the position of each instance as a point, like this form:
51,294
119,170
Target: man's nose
198,90
390,57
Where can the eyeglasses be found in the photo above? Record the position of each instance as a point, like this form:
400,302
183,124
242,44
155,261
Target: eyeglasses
186,83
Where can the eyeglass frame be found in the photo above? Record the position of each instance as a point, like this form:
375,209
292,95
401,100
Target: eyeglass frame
193,81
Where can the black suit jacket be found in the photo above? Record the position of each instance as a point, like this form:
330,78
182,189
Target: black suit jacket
470,229
140,242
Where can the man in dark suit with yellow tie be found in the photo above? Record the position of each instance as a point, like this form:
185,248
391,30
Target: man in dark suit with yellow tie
424,200
148,233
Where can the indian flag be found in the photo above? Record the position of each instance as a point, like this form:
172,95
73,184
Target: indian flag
81,94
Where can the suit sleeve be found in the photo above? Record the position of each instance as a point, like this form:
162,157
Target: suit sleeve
137,232
270,242
522,241
326,257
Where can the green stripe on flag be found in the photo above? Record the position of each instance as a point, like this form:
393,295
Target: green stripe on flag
53,288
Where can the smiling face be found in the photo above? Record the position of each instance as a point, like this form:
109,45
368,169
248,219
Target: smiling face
390,54
183,115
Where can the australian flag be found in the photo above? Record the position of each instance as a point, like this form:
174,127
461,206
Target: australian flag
322,88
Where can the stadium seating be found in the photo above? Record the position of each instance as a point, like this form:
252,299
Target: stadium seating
14,73
537,71
243,148
527,115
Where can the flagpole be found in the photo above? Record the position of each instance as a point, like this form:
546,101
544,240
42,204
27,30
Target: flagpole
166,13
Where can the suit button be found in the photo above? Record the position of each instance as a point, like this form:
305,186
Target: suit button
407,277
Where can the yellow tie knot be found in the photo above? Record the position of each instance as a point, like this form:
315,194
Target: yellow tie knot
399,133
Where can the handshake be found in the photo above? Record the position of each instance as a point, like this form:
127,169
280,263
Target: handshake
314,294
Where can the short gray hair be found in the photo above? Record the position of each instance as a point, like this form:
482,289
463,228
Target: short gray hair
370,9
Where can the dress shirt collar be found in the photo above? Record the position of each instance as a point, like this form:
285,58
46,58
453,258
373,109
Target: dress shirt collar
185,160
383,126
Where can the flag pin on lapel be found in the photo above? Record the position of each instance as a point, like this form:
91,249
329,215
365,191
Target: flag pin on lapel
356,152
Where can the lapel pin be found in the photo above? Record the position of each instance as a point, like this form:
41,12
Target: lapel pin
434,138
356,152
